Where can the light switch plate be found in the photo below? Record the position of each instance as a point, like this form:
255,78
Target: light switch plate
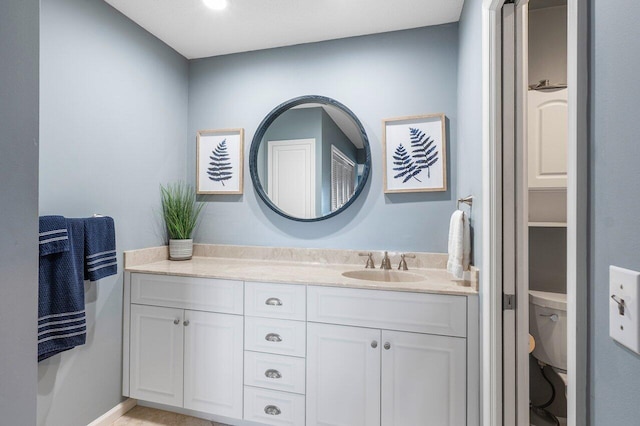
624,287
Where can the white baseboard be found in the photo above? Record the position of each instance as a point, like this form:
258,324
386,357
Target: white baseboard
108,418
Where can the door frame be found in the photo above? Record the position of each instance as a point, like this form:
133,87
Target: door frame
577,213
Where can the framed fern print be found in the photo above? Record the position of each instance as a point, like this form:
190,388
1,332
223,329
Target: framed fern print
415,150
219,162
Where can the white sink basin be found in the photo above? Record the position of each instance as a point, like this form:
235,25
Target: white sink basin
383,275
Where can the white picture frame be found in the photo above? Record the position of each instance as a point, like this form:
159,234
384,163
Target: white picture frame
415,153
219,161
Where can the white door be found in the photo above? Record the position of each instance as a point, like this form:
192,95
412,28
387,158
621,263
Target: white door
156,354
343,375
213,354
547,138
515,216
291,177
423,379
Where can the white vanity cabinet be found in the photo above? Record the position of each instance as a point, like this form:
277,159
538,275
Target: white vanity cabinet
185,357
157,354
423,379
296,355
343,375
383,375
275,350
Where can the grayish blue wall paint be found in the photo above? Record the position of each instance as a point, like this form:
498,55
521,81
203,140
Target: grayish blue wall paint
615,201
470,117
19,209
113,127
548,259
379,76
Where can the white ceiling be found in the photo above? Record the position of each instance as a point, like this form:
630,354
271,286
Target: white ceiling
197,32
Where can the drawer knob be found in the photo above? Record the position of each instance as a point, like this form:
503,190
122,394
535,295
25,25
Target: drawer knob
272,410
273,301
186,323
374,344
176,321
273,337
387,345
273,374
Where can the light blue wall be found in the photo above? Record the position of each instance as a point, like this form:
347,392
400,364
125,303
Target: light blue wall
19,210
113,128
379,76
615,202
470,117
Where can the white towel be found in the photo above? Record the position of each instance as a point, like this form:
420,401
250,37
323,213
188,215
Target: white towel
459,244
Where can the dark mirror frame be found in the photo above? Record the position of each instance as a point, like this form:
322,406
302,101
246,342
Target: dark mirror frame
270,118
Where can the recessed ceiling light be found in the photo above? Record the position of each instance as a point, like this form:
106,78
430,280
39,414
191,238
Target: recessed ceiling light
215,4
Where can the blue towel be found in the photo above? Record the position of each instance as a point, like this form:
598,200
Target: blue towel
53,235
99,248
61,314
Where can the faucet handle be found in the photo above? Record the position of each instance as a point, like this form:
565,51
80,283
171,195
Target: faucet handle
369,264
386,262
403,263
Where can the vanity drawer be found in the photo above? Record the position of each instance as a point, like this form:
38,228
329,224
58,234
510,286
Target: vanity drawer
279,372
201,294
273,407
276,336
392,310
285,301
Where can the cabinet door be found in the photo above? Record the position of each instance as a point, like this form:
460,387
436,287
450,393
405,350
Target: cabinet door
156,354
343,375
213,363
548,127
423,379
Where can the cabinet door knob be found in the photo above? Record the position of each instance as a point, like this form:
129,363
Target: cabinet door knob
273,301
272,410
176,321
387,345
374,344
273,337
186,323
272,374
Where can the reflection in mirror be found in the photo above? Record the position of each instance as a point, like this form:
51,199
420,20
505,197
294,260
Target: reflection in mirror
309,158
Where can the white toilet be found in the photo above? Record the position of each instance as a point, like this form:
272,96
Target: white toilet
548,326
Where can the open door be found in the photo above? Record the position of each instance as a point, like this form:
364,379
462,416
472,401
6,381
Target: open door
505,387
515,214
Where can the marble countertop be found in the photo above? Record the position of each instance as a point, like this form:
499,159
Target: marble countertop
208,265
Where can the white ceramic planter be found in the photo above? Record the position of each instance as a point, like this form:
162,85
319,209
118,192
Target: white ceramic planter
180,249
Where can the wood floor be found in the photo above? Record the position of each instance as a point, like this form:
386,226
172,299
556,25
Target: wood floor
145,416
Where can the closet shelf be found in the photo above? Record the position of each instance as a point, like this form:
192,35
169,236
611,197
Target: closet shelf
547,224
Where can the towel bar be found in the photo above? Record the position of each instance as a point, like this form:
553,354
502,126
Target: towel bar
468,200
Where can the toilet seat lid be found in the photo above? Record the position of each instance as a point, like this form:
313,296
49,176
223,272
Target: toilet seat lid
547,299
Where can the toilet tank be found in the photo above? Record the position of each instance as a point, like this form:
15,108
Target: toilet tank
548,326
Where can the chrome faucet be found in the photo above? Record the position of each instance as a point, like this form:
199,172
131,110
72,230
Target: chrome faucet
386,262
369,264
403,263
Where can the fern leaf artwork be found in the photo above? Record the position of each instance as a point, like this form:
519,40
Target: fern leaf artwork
404,165
221,168
423,151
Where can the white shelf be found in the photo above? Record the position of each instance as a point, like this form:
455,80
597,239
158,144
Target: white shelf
547,224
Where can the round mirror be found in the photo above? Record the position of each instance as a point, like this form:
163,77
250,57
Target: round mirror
310,158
